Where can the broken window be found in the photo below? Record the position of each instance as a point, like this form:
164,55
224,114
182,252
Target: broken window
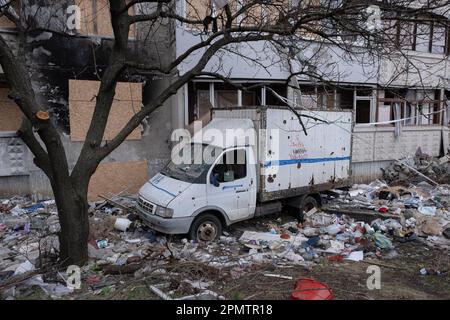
271,98
308,96
363,108
363,103
199,104
232,166
417,107
251,97
345,98
225,95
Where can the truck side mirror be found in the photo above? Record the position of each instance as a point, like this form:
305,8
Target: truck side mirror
213,179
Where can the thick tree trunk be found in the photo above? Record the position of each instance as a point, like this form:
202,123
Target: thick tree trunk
73,218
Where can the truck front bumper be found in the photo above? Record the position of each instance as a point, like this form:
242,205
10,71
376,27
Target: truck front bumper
166,225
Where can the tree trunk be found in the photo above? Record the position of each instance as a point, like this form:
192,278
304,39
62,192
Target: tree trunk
73,217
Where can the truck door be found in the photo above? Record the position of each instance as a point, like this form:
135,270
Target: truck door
247,193
228,183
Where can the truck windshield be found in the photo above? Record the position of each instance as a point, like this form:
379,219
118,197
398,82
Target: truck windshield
192,163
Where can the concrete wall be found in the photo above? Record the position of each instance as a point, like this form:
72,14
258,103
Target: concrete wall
376,147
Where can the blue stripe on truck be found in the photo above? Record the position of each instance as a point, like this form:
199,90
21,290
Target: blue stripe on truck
306,160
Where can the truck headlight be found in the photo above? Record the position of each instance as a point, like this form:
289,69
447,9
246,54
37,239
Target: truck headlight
164,212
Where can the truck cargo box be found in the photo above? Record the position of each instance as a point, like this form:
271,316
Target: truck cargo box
292,163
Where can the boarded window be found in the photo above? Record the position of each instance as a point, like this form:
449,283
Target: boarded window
114,177
96,18
10,114
82,93
4,21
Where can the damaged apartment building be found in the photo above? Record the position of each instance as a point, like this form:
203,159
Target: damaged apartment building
66,67
414,86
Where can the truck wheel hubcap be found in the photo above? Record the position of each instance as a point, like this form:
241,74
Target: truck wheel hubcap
207,231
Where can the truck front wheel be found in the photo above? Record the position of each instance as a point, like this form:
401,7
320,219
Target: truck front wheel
205,228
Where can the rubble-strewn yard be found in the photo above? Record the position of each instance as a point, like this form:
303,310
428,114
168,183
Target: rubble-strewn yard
403,228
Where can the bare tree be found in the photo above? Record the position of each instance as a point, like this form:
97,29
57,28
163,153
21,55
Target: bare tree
298,31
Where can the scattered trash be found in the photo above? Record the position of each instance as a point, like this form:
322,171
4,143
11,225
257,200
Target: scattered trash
446,233
120,244
309,289
355,256
381,241
431,272
277,276
24,267
101,244
122,224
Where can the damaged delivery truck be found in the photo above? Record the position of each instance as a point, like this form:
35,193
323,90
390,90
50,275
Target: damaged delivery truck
248,162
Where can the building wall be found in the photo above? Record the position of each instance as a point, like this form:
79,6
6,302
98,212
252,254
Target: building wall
65,76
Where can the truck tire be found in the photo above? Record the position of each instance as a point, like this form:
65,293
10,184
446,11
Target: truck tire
306,204
206,228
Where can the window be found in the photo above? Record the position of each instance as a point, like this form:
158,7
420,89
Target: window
251,97
225,95
198,100
438,43
416,107
429,37
363,111
423,37
345,98
232,166
271,98
192,162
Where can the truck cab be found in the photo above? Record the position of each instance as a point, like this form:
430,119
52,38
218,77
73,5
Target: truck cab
199,197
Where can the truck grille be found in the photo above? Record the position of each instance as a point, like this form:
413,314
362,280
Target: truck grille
145,205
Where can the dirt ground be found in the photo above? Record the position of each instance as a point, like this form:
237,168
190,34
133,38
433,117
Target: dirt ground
400,276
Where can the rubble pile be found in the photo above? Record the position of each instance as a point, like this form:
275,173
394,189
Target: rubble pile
406,212
436,169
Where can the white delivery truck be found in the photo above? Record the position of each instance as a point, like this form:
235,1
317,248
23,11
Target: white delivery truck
279,167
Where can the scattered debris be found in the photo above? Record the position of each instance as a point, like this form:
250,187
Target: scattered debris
362,224
309,289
